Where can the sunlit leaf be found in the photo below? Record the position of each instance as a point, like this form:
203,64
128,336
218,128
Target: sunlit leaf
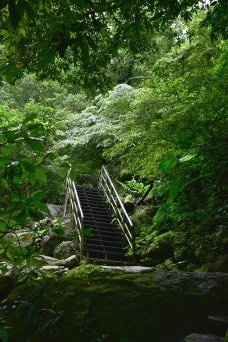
187,158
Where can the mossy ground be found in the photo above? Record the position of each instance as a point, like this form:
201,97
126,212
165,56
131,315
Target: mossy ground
110,306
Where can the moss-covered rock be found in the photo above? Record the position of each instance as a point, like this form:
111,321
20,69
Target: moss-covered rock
218,266
65,249
116,306
142,217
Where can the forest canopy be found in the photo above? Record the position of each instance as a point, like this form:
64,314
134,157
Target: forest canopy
50,37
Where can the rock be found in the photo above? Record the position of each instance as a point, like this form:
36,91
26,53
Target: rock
52,268
72,261
21,238
218,266
147,306
49,243
203,338
64,250
219,324
219,320
129,204
49,261
134,269
55,210
142,217
6,285
59,270
160,253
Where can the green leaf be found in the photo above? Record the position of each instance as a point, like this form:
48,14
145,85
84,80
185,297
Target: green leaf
15,251
40,175
87,232
29,118
167,164
34,214
28,164
41,206
22,217
14,206
174,189
4,161
36,144
187,158
9,149
2,249
8,254
2,226
60,231
36,127
36,196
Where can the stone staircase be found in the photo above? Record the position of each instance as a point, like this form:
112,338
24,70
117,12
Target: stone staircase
106,242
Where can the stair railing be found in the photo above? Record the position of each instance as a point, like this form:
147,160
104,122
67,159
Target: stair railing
73,201
106,185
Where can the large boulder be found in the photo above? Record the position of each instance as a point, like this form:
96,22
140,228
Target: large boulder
22,238
115,305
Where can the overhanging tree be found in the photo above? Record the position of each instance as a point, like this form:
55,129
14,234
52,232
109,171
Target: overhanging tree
51,36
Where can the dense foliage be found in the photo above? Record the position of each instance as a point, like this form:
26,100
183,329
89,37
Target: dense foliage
50,37
171,130
164,124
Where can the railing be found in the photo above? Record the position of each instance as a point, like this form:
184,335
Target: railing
123,220
72,200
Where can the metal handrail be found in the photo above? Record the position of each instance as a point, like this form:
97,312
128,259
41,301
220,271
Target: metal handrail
73,201
106,185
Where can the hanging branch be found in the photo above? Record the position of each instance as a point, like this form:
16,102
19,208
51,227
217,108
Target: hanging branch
140,201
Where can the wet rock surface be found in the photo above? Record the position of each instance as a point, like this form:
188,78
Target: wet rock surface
203,338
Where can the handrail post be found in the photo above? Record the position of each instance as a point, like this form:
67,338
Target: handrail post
67,193
106,185
77,214
66,203
100,179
